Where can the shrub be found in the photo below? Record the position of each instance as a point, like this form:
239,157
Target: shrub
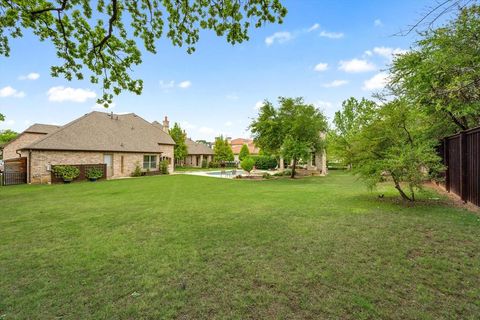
164,167
287,172
247,164
68,173
213,164
94,173
138,171
265,162
204,163
266,175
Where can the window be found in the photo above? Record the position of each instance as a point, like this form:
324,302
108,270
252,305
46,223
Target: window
149,162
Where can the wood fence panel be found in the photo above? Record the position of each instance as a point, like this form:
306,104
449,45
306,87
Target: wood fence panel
461,156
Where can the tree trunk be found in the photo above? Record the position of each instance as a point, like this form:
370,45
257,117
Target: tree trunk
399,188
294,166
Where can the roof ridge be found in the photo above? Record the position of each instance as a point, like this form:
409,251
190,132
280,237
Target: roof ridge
60,129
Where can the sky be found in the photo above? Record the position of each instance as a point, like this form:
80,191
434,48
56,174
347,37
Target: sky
325,51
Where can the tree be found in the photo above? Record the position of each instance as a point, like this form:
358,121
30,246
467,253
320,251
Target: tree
7,136
247,164
293,130
395,144
178,135
441,73
348,122
103,36
223,150
244,152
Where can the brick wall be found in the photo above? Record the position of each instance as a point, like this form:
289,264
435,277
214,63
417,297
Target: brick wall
40,160
22,140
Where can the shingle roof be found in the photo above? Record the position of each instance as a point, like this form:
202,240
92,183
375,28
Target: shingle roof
197,148
99,131
157,124
42,128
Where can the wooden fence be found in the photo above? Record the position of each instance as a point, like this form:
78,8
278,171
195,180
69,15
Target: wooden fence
83,170
461,156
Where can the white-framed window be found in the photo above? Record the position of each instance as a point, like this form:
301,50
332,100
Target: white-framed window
149,162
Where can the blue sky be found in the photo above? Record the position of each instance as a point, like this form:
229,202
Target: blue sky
325,51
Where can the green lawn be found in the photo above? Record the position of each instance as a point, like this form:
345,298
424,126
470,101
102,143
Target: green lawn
193,247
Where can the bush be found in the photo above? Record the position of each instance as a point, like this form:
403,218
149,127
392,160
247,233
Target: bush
68,173
265,162
247,164
204,163
266,175
287,172
94,173
138,171
213,164
164,167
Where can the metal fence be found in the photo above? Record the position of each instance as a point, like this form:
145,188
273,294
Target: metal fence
15,172
461,156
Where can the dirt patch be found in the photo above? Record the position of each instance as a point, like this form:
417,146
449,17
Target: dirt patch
453,199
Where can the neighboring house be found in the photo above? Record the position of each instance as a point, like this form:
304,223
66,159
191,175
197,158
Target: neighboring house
29,136
197,152
120,141
237,145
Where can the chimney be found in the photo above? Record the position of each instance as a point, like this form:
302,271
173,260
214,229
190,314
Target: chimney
166,124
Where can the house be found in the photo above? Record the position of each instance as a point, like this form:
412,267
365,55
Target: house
122,142
197,153
29,136
237,145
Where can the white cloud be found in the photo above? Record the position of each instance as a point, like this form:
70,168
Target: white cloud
335,83
206,130
101,106
60,94
388,52
378,23
331,35
313,28
165,85
7,124
323,104
30,76
8,91
258,105
356,65
185,84
232,96
321,67
378,81
279,37
228,124
187,125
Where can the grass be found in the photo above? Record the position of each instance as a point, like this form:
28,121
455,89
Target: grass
202,248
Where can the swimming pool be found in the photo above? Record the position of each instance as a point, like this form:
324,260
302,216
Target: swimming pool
225,173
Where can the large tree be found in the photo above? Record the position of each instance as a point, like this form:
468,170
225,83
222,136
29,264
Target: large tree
441,73
395,144
178,135
293,130
223,150
348,122
103,37
6,136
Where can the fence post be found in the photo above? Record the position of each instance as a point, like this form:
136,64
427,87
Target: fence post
446,163
463,167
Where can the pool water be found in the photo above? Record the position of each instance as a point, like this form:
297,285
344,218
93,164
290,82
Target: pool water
225,173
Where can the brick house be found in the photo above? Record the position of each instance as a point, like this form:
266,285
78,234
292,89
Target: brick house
237,145
120,141
197,153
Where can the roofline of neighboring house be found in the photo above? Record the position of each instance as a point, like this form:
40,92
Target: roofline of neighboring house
90,150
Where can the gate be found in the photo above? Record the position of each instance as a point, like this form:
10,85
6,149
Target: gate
15,172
